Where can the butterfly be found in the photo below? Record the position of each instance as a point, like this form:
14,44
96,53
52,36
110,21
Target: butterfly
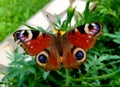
66,50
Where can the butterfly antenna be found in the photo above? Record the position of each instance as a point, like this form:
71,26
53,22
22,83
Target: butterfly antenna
49,18
50,21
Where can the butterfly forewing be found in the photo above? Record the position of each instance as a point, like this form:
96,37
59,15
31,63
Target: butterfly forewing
84,36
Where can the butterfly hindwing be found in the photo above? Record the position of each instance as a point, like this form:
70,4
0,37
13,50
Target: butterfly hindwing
73,56
49,58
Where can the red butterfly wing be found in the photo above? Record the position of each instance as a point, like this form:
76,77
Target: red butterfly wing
77,41
41,45
33,41
73,56
84,36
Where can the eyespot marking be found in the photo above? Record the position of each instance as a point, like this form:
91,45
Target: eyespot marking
23,35
79,54
42,58
92,28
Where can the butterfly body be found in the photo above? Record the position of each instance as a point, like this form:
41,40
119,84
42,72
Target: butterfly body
53,51
59,42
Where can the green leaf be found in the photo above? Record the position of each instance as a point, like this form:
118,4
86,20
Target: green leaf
40,29
30,26
108,57
21,78
66,23
117,40
45,75
58,19
70,14
56,25
115,37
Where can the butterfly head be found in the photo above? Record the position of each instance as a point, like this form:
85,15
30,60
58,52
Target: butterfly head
56,31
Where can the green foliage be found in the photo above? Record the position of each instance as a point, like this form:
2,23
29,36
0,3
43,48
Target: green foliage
102,67
66,24
14,13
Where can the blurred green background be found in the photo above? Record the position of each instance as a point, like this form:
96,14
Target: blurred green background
102,67
13,13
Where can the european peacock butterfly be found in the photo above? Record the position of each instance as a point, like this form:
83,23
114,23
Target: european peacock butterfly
53,51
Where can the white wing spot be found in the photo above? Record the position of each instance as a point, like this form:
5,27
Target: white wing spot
86,28
31,47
